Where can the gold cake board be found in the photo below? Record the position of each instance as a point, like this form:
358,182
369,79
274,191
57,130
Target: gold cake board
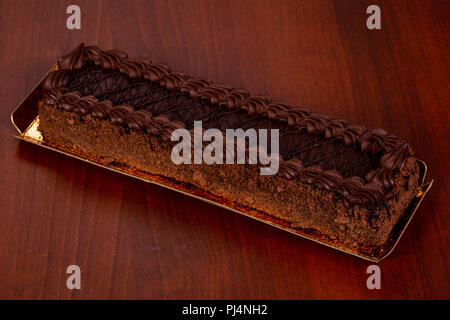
25,119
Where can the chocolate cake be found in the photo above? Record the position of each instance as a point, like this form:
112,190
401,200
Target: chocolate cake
339,181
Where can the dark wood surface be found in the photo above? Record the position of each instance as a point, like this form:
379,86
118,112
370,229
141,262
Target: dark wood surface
136,240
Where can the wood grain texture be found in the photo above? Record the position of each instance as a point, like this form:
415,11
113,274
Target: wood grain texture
137,241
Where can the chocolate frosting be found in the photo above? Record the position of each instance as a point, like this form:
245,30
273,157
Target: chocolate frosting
121,115
146,96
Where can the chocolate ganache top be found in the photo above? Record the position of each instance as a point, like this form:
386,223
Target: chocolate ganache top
142,95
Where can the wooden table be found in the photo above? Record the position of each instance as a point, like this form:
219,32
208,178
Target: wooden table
138,241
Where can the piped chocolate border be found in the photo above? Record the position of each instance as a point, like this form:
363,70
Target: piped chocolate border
354,189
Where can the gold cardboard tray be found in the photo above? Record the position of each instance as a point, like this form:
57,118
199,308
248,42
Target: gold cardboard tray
25,119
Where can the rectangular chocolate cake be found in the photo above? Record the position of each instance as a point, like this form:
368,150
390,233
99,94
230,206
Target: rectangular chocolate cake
338,181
